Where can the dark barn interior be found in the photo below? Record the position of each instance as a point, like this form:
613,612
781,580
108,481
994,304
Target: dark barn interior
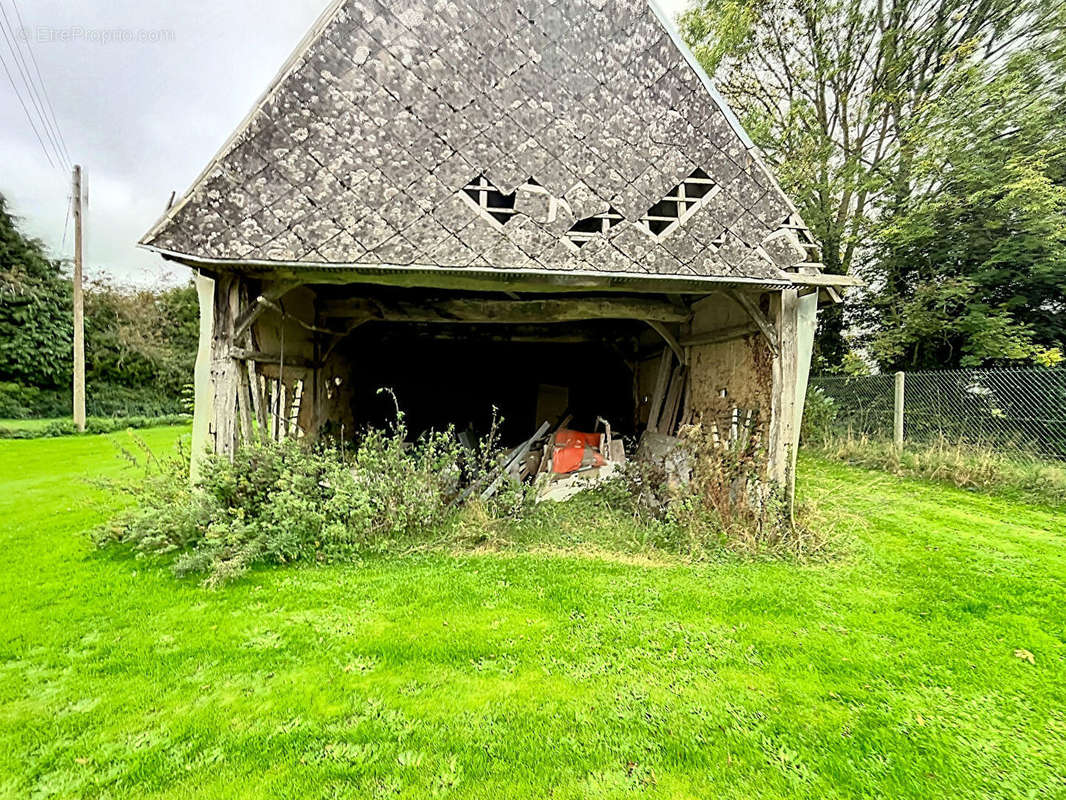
444,374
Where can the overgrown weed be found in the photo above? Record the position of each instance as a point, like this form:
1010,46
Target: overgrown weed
281,503
960,464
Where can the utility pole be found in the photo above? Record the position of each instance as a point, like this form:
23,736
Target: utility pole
79,310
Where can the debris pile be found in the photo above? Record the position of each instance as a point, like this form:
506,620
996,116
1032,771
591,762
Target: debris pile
560,461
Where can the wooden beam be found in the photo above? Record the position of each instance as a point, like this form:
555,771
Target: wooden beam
669,338
464,278
831,294
259,305
520,338
659,392
255,384
673,401
511,312
241,354
826,279
244,410
760,319
720,335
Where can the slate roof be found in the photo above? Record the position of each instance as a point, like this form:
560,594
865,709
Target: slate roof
361,151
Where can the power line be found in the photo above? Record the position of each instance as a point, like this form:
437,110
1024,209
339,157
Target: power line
29,117
66,223
11,35
11,39
40,79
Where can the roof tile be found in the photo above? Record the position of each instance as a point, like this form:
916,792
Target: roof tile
359,154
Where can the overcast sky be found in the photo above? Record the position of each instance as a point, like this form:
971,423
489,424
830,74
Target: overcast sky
145,92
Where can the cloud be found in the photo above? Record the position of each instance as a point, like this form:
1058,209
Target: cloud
145,92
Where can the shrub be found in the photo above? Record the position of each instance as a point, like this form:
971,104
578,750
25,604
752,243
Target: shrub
31,402
295,502
115,400
819,416
102,400
279,503
725,503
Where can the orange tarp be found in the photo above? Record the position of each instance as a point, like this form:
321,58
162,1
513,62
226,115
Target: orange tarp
573,450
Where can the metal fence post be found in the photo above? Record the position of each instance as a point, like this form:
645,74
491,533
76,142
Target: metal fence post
897,415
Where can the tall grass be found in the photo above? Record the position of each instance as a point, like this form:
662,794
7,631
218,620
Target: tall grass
961,464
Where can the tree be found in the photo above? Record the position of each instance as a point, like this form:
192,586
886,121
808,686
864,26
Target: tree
36,311
141,337
971,268
835,92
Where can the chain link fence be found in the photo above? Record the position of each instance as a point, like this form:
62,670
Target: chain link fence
1016,409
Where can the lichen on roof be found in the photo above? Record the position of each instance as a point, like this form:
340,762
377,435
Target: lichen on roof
574,136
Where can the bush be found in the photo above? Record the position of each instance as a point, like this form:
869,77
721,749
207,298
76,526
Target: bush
31,402
101,400
819,416
295,502
113,400
279,503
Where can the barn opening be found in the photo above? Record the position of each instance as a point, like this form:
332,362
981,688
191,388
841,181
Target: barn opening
464,374
504,360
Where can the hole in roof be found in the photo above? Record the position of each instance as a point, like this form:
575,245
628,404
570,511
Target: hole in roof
588,228
491,200
682,199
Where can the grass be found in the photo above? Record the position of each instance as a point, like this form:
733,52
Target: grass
30,424
64,426
1007,472
890,673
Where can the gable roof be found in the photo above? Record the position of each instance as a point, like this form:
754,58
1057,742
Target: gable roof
577,136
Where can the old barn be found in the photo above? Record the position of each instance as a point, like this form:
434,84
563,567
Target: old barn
543,207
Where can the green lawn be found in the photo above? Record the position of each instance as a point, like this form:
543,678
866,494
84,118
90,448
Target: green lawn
888,673
29,424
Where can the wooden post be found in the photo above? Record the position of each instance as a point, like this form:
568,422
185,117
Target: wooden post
204,404
897,412
659,393
223,366
79,308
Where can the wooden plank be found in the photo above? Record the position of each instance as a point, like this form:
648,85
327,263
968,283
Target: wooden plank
765,326
673,401
686,403
500,472
283,410
516,454
826,279
668,337
244,405
258,403
659,393
510,312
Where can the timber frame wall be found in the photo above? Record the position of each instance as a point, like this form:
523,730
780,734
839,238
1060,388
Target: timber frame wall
273,369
